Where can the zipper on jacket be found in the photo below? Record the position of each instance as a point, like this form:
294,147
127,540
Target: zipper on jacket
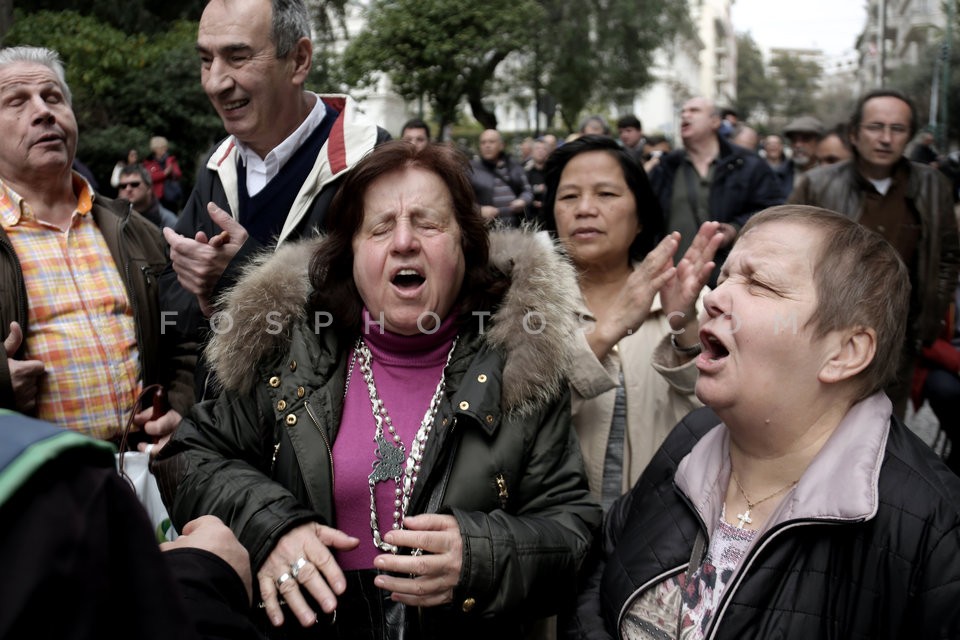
669,573
440,491
326,441
146,376
748,562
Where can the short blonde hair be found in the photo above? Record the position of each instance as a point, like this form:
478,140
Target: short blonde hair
860,282
158,142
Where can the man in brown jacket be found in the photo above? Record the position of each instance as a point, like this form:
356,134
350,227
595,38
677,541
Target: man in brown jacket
907,203
78,274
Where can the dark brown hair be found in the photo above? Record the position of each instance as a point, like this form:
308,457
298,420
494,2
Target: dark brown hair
649,214
331,268
856,118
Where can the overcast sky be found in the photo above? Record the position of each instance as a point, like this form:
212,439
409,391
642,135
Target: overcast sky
830,25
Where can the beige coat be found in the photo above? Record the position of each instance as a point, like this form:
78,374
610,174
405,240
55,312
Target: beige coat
658,388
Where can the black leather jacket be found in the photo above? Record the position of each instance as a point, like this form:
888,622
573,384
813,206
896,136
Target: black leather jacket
840,187
893,575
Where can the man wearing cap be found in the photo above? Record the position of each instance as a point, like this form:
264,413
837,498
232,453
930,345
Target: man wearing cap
803,134
908,203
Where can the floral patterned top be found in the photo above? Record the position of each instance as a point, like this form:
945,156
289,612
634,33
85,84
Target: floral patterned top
676,609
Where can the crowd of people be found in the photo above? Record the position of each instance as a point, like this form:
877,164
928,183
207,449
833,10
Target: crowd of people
608,389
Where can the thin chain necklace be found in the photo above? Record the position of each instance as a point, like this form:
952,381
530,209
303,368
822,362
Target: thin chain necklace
744,518
389,464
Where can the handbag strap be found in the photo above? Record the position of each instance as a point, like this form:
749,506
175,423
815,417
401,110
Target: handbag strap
695,557
152,390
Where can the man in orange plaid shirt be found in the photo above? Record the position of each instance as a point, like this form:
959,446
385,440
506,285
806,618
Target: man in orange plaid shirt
78,274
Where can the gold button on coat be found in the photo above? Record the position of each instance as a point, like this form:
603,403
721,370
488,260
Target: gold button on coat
291,419
300,392
281,405
464,405
274,382
293,365
482,378
468,605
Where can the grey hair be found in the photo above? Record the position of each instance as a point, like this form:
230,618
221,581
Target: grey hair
290,23
38,55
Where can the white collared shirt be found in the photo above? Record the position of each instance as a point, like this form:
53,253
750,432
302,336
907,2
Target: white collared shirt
260,171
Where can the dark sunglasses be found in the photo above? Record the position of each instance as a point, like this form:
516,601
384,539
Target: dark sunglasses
132,185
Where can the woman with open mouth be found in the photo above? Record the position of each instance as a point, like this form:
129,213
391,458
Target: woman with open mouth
795,504
407,469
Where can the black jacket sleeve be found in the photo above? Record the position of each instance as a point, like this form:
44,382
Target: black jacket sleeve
81,561
212,593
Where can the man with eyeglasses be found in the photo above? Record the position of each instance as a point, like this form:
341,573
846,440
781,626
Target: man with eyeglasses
907,203
136,186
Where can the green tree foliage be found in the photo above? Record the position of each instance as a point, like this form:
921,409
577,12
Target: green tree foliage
755,90
442,50
127,88
603,51
917,81
129,16
134,73
448,50
797,82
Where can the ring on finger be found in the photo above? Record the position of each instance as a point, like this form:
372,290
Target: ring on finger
283,578
416,553
296,566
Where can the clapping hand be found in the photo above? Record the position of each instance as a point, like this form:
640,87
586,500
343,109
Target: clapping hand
680,293
200,261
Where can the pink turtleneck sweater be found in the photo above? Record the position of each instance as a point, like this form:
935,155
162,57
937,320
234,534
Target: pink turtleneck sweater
406,370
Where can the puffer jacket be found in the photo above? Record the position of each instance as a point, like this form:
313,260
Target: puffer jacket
879,561
840,187
139,251
483,177
502,457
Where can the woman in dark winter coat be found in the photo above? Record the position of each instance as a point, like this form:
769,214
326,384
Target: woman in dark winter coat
794,505
393,442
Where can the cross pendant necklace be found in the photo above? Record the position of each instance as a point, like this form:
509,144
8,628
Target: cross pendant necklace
744,518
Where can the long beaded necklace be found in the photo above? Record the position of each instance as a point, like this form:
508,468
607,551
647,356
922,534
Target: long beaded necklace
390,454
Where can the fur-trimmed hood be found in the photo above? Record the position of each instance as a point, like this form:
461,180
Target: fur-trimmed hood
273,292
